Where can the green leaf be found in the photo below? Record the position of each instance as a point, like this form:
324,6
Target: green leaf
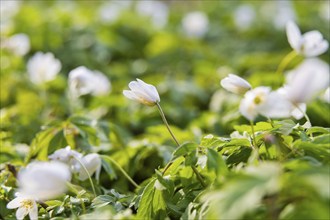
102,200
215,162
145,210
106,164
286,126
184,149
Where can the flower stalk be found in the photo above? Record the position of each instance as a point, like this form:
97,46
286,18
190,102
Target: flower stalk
89,176
123,171
285,62
166,123
198,175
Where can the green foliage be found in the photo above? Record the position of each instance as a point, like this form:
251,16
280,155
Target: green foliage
279,171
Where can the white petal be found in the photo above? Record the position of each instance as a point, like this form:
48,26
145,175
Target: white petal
298,112
275,106
235,84
13,204
21,213
248,109
294,35
131,95
33,212
92,163
150,89
321,48
307,80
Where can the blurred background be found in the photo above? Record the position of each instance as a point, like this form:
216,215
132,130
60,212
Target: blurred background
184,48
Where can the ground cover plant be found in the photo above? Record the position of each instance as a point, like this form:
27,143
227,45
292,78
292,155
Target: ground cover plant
165,110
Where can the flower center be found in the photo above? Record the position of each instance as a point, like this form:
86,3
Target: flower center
257,100
28,204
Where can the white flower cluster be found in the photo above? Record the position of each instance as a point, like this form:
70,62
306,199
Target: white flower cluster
37,182
78,163
302,84
41,181
83,81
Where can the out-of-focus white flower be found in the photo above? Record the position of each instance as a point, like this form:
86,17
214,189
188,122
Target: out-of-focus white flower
156,10
110,11
18,44
43,67
244,16
237,135
92,162
67,156
325,11
44,180
83,81
26,206
297,110
326,95
8,9
142,92
307,80
195,24
283,14
262,100
309,44
235,84
102,84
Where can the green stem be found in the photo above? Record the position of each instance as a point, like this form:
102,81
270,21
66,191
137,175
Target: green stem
286,60
254,141
89,176
167,125
123,171
199,177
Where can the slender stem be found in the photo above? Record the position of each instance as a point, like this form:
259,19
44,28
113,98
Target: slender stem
199,177
167,166
123,172
253,136
167,125
89,176
286,60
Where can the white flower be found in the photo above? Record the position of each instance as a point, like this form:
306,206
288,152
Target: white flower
44,180
235,84
26,206
156,10
326,95
142,92
67,156
110,11
244,16
262,100
283,14
43,67
325,11
195,24
309,44
92,162
83,81
18,44
307,80
297,110
8,9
